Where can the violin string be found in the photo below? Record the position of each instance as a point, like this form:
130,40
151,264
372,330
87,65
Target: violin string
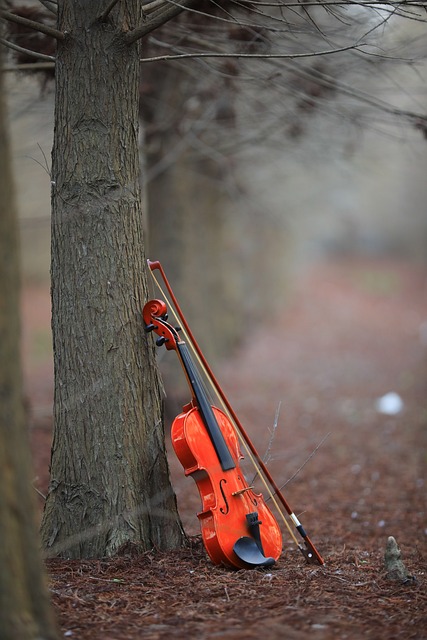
189,342
183,331
177,319
226,411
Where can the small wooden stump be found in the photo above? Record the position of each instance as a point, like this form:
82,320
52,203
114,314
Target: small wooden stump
394,565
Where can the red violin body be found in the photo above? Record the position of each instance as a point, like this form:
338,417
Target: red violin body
226,497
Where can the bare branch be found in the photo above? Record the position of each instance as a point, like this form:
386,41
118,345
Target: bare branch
28,52
32,24
336,3
33,66
400,8
166,12
305,462
267,454
361,96
50,5
107,10
155,4
266,457
260,56
39,492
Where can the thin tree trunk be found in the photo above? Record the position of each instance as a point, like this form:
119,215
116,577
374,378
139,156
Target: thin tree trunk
24,603
187,197
109,474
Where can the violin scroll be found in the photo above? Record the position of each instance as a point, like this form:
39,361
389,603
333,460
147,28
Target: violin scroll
155,315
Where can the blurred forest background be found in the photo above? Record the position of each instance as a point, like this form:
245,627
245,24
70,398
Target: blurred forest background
255,168
259,170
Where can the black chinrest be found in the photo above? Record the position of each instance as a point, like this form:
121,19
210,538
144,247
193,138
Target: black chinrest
246,549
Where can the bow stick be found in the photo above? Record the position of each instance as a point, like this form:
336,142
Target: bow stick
308,550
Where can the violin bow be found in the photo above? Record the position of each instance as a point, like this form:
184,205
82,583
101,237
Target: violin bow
307,549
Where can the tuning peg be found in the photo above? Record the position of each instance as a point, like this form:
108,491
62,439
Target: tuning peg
160,341
149,327
165,316
178,329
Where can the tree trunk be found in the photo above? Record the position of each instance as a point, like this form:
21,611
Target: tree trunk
187,197
186,207
109,474
24,602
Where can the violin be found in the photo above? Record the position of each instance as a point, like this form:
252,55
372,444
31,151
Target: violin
238,528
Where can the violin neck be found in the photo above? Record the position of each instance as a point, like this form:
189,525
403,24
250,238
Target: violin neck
204,406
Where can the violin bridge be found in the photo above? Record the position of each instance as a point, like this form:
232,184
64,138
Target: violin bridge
240,491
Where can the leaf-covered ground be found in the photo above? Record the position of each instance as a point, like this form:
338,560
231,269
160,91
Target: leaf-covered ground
350,333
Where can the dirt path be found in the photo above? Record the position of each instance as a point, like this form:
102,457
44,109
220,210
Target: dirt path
353,332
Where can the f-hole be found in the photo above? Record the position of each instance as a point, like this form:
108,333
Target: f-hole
223,510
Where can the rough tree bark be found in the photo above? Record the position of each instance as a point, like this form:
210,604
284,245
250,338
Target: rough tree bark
24,602
109,474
